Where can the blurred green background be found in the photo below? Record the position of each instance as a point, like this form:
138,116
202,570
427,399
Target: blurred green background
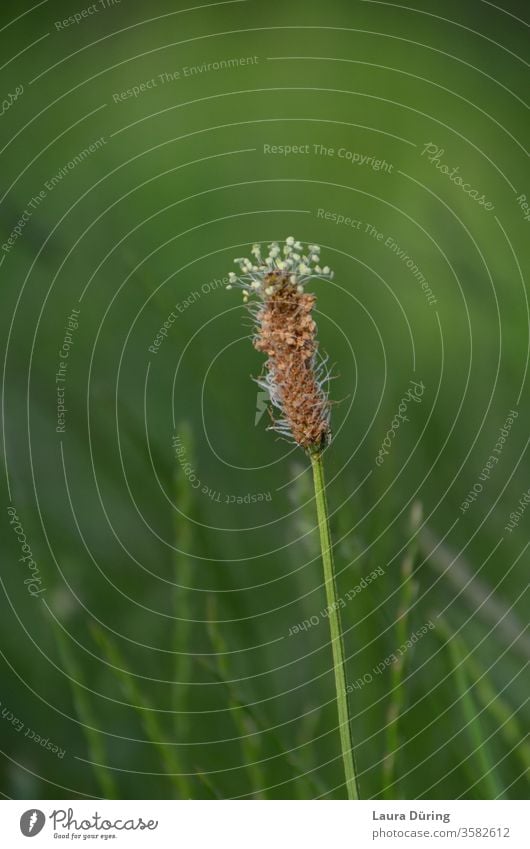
158,659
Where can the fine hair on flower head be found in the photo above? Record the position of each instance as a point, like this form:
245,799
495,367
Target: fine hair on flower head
295,375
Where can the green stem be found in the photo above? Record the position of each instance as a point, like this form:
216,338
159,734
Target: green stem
335,626
397,670
466,683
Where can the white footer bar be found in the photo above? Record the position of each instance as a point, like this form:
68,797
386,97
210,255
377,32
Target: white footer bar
265,824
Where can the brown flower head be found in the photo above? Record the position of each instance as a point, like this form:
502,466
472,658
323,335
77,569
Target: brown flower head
295,374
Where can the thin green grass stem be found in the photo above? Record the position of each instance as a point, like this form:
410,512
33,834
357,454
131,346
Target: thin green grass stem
397,670
335,626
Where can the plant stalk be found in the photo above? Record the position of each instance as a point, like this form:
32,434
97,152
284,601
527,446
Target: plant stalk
407,595
335,625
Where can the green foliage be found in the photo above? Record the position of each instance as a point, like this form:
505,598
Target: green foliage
176,578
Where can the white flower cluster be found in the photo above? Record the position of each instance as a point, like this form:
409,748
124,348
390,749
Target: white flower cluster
289,260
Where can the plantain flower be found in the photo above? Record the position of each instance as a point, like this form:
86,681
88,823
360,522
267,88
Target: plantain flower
295,374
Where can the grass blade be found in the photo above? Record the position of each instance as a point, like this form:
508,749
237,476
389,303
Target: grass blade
83,708
150,723
490,783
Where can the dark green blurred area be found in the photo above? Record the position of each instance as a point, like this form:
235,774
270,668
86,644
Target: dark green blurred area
192,589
